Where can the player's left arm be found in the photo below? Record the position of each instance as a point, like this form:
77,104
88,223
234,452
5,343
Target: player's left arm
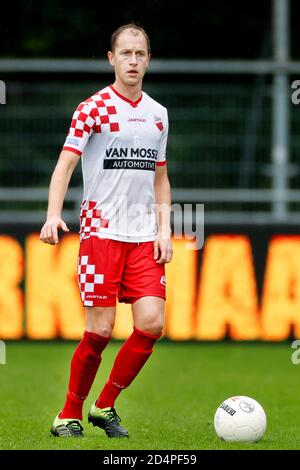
163,250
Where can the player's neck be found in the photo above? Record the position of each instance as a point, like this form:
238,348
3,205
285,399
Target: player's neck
133,93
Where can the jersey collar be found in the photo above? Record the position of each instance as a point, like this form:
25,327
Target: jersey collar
132,103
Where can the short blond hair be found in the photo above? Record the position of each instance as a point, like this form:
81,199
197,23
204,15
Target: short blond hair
131,26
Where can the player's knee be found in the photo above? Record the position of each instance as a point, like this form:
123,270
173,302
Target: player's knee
104,331
153,326
100,321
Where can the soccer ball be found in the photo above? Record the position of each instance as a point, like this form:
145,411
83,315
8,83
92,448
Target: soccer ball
240,419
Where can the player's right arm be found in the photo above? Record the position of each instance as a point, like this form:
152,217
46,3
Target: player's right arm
58,187
81,128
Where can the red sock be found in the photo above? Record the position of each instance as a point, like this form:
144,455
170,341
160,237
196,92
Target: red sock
129,361
84,366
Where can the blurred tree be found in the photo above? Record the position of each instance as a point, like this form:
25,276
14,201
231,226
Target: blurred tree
72,28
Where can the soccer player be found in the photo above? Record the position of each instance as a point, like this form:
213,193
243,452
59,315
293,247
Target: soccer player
120,135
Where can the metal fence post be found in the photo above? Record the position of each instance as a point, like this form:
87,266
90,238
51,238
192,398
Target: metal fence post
280,117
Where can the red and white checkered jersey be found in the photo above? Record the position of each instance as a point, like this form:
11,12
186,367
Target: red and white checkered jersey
121,143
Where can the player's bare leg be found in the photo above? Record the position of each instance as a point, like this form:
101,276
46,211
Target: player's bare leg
148,314
84,366
100,320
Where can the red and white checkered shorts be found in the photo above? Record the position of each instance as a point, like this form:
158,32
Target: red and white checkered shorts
110,268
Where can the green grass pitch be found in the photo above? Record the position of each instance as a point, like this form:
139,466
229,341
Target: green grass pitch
170,405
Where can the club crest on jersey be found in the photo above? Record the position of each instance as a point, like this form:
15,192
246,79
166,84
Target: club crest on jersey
158,122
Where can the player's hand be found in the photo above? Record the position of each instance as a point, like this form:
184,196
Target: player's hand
49,232
163,250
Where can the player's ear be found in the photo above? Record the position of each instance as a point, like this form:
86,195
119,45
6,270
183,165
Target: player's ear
111,58
149,58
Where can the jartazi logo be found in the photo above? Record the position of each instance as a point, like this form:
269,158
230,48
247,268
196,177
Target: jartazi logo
2,92
137,120
95,296
163,280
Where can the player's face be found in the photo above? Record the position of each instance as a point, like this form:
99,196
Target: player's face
130,57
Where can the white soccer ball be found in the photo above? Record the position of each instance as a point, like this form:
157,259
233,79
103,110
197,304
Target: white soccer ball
240,419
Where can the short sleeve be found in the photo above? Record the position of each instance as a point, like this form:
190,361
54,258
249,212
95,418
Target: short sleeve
162,149
81,128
